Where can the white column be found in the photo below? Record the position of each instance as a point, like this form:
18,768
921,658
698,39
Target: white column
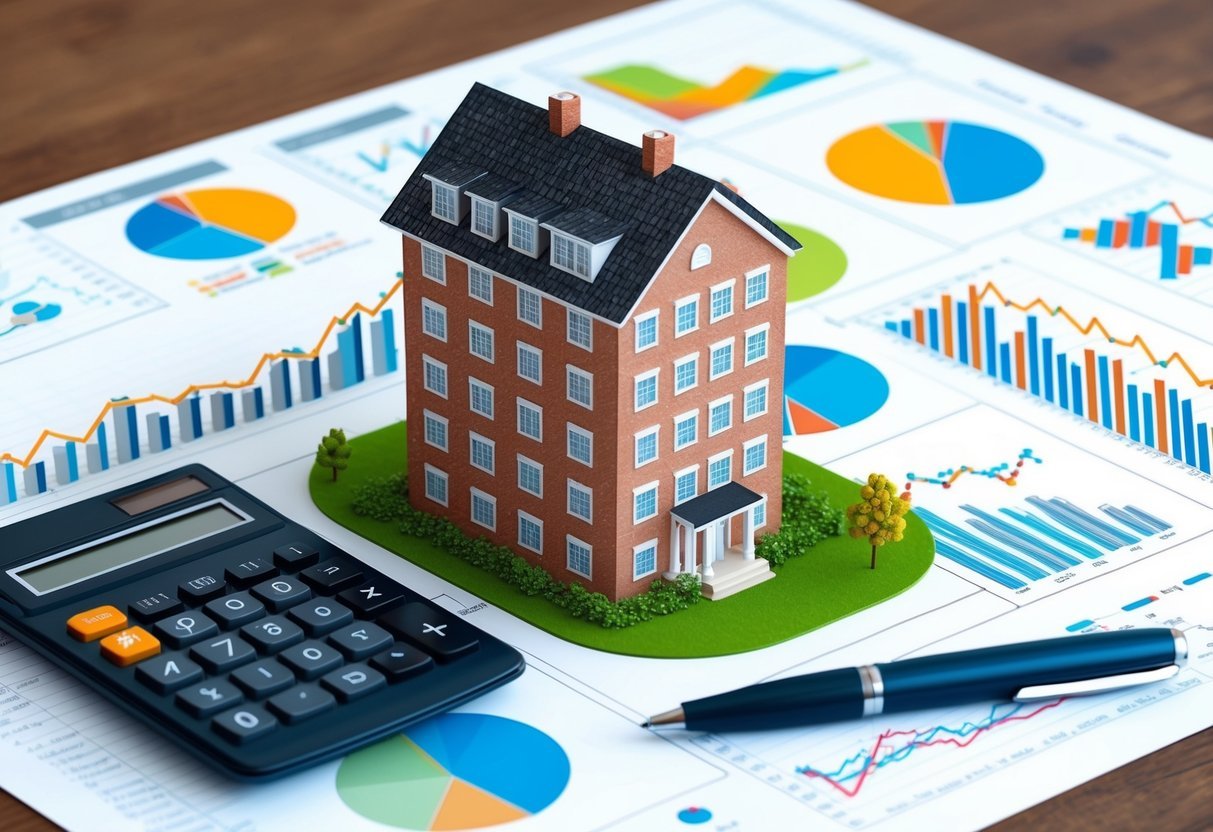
709,550
691,539
747,532
675,554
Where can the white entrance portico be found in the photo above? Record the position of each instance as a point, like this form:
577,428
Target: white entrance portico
724,568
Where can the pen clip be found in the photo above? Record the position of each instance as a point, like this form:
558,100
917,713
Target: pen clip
1102,684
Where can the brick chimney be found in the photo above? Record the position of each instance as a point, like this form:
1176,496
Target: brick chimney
564,113
658,152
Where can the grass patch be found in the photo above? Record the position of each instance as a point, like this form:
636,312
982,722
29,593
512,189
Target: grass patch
827,583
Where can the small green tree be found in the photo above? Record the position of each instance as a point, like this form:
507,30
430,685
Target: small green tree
880,514
334,452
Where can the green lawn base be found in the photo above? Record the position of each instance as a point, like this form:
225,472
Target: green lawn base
829,582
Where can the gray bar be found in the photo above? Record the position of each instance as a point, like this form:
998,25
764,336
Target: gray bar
248,404
4,500
336,379
31,481
378,348
277,392
123,194
62,475
122,435
341,128
307,390
155,442
218,422
92,453
185,420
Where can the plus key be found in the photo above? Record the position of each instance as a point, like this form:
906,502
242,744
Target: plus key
434,631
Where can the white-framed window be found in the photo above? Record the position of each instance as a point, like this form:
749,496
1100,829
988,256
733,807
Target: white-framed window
530,420
686,484
484,218
530,363
436,432
433,319
433,264
760,513
530,532
721,303
523,234
581,330
686,430
580,444
646,445
720,469
720,362
756,343
580,386
480,284
757,286
445,202
644,560
484,509
720,415
756,399
436,485
579,556
644,502
530,476
754,455
480,398
646,330
481,342
686,373
581,501
433,376
686,315
570,255
646,390
530,307
701,256
482,453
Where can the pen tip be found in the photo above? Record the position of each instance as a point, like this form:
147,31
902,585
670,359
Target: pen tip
668,718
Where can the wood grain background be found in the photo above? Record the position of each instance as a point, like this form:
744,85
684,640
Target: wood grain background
89,84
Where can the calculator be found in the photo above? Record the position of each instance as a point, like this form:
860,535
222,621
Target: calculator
241,636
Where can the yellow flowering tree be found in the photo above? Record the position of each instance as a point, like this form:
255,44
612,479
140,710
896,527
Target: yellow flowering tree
880,515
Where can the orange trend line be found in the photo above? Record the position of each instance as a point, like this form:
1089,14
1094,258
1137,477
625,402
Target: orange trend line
195,388
1093,325
1180,216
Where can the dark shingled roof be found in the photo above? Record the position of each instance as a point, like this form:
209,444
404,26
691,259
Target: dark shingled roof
455,172
715,504
586,170
492,187
589,225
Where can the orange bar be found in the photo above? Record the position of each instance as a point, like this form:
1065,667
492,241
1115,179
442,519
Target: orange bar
1160,415
1120,233
974,328
1185,260
1092,384
947,326
1153,232
1087,235
1020,362
920,326
1118,384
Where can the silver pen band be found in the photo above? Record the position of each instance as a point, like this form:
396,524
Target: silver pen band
873,689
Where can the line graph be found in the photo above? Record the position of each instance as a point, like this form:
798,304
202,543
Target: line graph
1005,472
1139,229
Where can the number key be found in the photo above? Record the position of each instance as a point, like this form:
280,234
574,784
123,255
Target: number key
353,681
272,634
332,575
321,616
167,673
184,628
263,678
311,659
280,593
360,640
240,725
223,653
295,556
234,610
209,697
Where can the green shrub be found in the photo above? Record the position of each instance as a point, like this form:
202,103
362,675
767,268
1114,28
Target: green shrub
808,518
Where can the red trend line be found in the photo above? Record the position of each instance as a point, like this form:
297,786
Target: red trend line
1180,216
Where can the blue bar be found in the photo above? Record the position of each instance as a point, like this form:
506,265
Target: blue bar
1041,552
132,429
907,329
284,378
942,528
1134,427
1170,252
1150,519
1189,433
952,553
1071,234
196,414
1173,400
1137,229
1080,625
1103,237
389,339
1141,602
1004,360
1046,366
359,358
314,369
1147,417
1105,393
1084,523
991,342
962,332
10,482
1063,390
1202,256
73,466
1033,371
890,325
166,441
1076,387
1034,522
1202,447
229,410
259,398
103,447
933,328
40,475
1195,579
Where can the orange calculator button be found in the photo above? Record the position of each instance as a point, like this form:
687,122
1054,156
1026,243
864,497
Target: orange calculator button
91,625
129,646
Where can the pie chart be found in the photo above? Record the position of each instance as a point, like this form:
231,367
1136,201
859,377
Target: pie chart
826,389
456,771
935,162
817,266
210,223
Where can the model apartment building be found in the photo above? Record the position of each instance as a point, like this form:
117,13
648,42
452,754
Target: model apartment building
594,349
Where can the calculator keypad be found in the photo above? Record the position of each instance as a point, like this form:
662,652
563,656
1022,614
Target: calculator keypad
321,616
240,725
332,575
236,609
302,702
224,653
126,647
168,672
249,572
184,628
280,593
359,640
311,659
209,697
273,634
264,678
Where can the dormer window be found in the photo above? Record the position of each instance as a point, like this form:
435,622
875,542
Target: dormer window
523,233
582,240
446,202
484,218
489,194
571,255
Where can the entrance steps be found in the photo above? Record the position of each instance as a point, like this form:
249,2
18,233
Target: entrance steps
734,573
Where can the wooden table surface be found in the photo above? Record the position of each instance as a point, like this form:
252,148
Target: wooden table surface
89,84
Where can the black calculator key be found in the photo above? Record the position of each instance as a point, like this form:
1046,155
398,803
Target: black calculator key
402,661
209,697
273,634
311,659
224,653
168,672
280,593
360,640
353,681
373,597
155,606
431,629
332,575
185,628
249,572
201,589
302,702
263,679
321,616
241,725
295,556
236,609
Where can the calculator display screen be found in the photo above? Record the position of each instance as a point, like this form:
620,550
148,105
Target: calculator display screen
156,537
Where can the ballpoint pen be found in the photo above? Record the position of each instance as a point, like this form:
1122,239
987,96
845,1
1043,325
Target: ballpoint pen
1024,672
